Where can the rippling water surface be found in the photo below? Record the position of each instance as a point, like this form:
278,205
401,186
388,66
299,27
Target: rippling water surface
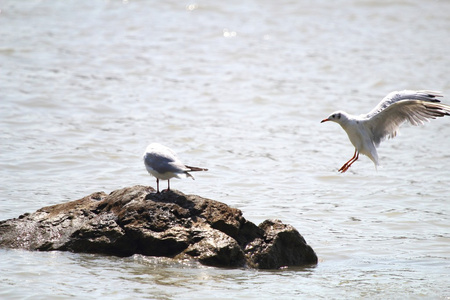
238,87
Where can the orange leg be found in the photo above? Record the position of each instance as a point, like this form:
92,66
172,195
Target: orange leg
350,162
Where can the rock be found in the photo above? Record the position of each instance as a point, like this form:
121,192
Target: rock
282,246
136,220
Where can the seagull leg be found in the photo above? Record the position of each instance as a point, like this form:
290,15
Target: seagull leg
347,165
168,184
157,185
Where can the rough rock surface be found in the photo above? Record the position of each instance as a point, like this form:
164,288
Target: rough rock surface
136,220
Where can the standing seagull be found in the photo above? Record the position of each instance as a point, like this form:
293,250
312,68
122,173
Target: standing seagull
367,131
163,163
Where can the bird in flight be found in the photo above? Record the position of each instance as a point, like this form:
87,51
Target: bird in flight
161,162
367,131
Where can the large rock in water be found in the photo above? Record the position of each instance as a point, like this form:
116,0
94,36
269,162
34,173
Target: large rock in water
136,220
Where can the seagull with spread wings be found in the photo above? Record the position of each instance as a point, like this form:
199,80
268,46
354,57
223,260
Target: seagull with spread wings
367,131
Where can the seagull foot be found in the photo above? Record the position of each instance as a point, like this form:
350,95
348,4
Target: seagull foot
343,169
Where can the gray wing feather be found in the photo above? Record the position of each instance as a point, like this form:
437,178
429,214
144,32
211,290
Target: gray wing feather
163,163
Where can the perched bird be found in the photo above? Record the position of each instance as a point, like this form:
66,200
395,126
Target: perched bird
161,162
367,131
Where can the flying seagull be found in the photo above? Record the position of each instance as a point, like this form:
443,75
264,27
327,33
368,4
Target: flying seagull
367,131
161,162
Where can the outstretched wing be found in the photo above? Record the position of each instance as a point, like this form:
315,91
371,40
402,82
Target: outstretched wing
396,108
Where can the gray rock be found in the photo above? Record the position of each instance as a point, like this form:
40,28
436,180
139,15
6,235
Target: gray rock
136,220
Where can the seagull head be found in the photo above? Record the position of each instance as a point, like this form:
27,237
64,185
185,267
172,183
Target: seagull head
338,117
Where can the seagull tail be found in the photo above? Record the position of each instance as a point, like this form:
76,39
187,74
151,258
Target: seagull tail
189,175
374,157
194,169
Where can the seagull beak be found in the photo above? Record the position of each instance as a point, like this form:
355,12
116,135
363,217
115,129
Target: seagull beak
324,120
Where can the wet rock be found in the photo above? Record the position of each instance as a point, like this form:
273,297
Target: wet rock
136,220
282,245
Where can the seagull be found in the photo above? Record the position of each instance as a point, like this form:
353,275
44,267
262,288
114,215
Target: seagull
161,162
367,131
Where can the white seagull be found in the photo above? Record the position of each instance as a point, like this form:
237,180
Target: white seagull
161,162
367,131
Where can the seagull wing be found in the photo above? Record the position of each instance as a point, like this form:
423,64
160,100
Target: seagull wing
396,108
164,160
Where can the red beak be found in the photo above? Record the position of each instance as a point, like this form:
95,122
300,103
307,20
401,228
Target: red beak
324,120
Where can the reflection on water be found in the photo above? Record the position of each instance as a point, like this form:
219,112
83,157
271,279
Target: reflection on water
239,88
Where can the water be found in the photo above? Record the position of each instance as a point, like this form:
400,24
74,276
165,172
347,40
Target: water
239,88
